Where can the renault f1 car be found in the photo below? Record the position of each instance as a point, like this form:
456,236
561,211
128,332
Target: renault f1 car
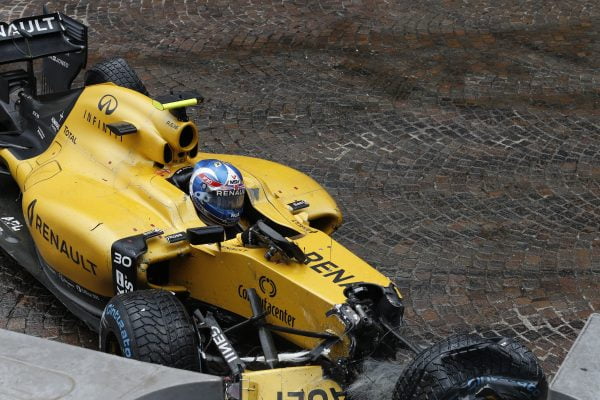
94,204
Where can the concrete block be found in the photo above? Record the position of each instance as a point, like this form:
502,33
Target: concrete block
579,375
38,369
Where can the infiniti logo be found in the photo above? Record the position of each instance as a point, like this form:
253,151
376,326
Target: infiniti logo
108,104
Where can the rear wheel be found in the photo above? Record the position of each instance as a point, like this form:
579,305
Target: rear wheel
471,367
117,71
151,326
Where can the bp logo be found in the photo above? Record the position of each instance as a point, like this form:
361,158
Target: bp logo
267,286
108,104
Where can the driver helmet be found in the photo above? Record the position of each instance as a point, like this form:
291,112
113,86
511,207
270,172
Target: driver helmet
217,190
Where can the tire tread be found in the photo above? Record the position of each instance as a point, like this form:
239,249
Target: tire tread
117,71
160,327
453,361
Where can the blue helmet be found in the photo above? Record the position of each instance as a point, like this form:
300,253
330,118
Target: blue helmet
217,190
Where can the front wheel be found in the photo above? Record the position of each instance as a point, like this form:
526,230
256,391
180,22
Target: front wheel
470,367
151,326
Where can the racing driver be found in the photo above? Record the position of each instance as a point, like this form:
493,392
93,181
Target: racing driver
217,191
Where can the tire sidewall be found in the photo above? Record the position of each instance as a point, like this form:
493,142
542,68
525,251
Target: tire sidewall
115,320
93,77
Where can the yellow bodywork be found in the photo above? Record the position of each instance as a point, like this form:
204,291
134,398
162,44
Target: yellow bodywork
298,383
91,188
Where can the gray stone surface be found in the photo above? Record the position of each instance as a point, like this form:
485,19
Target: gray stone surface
460,138
579,376
37,369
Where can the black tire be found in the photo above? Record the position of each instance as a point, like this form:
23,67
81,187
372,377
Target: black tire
442,371
151,326
117,71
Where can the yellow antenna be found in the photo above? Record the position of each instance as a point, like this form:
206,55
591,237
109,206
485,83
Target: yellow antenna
175,104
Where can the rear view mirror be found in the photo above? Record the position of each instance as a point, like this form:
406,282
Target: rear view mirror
206,235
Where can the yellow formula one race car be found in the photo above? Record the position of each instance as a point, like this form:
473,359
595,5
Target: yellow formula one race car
96,204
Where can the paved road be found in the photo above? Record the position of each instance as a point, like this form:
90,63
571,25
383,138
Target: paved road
461,139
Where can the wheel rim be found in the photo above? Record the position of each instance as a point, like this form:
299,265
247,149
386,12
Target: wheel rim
112,346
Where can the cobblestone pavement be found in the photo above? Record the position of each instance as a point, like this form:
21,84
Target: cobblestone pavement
461,139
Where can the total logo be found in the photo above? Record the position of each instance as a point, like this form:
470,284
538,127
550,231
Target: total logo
267,286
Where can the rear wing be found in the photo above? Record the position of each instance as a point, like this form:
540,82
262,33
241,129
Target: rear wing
41,36
59,39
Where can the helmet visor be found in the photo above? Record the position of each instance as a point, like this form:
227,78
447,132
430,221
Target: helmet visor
227,199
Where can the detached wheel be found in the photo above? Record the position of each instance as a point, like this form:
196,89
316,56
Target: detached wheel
117,71
151,326
470,367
